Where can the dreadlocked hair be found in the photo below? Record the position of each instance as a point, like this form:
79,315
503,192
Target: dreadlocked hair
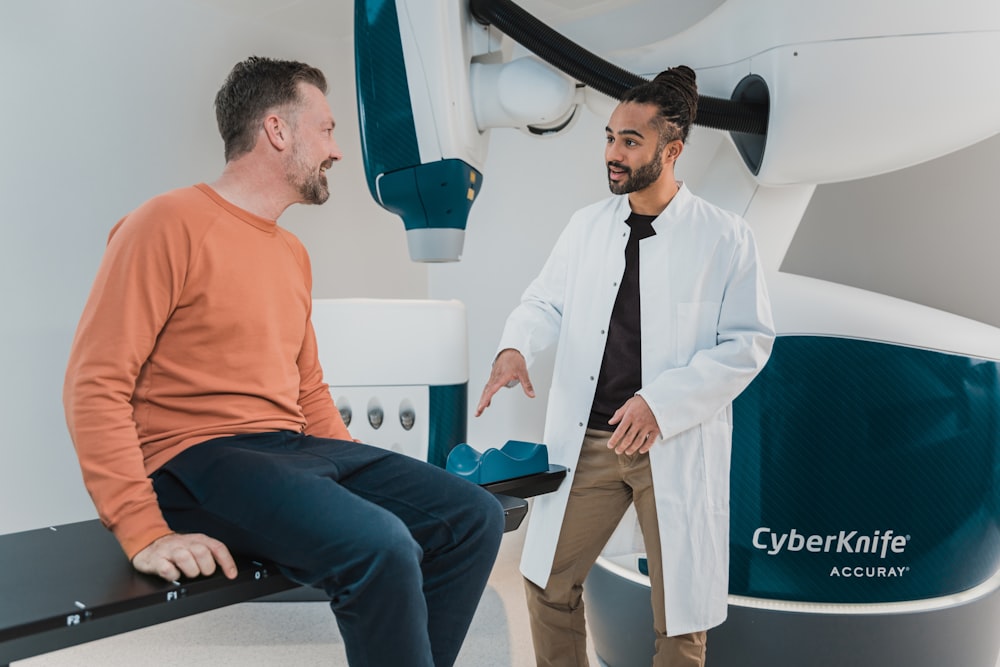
674,93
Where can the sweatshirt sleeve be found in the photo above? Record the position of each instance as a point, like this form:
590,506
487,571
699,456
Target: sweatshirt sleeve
137,285
321,414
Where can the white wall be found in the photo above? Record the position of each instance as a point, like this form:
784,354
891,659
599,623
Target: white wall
108,102
104,104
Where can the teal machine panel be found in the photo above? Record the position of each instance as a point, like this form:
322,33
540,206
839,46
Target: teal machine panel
448,420
865,516
865,472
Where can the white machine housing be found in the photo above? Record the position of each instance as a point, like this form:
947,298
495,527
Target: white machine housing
387,360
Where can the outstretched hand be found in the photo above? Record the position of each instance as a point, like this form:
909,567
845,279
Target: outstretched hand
188,554
509,370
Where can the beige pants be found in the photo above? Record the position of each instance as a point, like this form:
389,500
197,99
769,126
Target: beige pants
603,487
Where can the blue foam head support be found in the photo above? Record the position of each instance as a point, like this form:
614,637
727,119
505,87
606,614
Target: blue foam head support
515,459
463,461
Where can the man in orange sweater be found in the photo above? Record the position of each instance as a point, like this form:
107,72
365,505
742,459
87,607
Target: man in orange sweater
199,412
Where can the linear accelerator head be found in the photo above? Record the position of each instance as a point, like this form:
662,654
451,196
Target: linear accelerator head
431,81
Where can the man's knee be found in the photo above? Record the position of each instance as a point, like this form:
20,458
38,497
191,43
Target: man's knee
491,509
486,515
385,548
387,544
557,596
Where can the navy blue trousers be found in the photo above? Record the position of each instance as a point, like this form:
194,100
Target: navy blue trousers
403,548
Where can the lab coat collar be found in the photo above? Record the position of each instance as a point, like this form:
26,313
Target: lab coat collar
673,212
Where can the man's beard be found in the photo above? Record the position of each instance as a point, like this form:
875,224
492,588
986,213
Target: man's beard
311,185
637,179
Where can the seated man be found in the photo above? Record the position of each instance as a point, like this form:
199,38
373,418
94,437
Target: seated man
199,412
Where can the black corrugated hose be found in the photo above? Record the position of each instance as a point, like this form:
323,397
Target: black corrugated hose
599,74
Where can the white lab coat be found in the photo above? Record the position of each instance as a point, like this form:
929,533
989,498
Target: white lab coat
706,332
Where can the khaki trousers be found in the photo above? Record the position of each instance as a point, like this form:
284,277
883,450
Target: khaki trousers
603,487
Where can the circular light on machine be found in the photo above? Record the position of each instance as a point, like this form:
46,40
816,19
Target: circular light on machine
375,413
344,407
407,414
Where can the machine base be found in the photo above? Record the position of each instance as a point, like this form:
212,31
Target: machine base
620,622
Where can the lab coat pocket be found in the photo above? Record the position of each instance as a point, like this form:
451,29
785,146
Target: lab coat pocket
696,328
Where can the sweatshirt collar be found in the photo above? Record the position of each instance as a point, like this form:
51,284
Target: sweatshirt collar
263,224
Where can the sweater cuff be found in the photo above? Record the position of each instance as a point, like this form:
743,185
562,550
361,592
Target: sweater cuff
140,529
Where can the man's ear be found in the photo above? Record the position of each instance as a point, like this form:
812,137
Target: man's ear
277,131
672,151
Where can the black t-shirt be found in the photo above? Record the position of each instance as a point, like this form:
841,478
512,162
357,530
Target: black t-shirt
621,369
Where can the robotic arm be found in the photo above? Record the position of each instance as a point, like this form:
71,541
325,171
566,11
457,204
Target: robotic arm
808,93
432,82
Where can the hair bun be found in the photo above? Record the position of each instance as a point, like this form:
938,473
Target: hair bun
682,81
682,76
674,92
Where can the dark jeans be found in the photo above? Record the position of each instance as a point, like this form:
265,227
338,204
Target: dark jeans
403,548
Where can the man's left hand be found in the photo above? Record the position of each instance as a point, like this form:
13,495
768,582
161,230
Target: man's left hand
636,430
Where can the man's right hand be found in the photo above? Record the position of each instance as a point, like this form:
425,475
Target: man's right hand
509,369
188,554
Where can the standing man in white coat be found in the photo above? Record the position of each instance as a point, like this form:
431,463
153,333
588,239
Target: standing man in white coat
658,304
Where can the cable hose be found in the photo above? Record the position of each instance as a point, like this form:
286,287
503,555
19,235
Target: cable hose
714,112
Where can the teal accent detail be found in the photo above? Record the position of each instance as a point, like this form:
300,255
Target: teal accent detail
448,407
869,471
388,135
436,194
515,459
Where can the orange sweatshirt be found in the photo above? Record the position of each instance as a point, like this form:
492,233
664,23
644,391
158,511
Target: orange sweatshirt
197,326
